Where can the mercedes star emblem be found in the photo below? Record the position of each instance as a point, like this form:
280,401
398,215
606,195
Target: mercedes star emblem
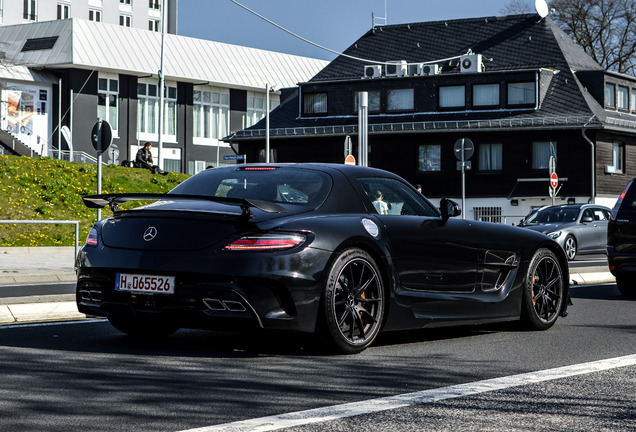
150,233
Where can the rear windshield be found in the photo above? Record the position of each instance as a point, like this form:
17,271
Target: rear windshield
280,185
626,201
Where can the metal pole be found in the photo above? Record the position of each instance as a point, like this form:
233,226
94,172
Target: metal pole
266,123
59,118
363,129
161,84
99,180
463,182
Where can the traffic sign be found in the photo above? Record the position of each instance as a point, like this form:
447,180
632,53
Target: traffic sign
554,180
234,157
468,147
101,136
350,160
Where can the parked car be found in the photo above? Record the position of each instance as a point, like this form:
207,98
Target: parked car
621,241
302,248
578,228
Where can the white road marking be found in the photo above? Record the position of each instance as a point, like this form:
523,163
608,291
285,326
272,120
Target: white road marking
336,412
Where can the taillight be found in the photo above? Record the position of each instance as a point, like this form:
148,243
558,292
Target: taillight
265,242
91,238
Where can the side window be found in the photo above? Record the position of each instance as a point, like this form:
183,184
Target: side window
392,197
587,214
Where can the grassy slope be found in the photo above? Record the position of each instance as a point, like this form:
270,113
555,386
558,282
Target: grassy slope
49,189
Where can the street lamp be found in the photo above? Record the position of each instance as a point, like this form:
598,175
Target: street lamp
267,90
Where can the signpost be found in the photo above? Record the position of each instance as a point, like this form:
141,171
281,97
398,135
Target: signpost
101,138
464,149
554,182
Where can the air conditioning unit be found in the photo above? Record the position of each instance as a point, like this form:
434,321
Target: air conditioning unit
372,71
470,63
414,69
429,69
396,68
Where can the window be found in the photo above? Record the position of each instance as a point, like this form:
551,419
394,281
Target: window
399,100
95,15
63,11
255,108
452,97
541,154
315,103
429,158
632,101
622,100
486,95
373,99
154,4
125,2
107,100
154,25
148,111
211,112
521,93
125,20
618,158
392,197
148,108
30,10
609,95
490,157
488,214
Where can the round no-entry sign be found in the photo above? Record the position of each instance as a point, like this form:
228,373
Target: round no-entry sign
554,180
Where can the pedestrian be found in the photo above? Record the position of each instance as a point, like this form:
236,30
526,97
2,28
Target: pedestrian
144,158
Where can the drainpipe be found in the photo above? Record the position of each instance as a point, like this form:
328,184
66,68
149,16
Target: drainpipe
585,137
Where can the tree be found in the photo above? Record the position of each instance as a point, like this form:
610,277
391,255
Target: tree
606,29
514,7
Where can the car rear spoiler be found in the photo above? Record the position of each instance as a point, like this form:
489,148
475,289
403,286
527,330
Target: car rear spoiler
113,201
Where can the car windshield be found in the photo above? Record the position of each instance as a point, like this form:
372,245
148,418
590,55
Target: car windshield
552,215
275,184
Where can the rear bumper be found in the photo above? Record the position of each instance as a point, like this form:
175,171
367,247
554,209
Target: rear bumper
237,291
621,264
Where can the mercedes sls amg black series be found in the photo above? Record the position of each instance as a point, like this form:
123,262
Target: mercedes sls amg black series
339,250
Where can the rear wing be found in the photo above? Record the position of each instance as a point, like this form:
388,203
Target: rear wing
113,201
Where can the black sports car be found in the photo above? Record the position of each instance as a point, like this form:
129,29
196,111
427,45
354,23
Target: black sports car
344,251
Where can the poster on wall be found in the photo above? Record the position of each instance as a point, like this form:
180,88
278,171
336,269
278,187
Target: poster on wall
25,115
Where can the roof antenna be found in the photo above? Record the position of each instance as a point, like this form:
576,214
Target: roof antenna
542,8
384,18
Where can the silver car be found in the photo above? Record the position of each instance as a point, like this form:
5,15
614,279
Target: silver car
578,228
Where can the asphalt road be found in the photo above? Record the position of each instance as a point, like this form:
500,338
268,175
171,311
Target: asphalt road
87,376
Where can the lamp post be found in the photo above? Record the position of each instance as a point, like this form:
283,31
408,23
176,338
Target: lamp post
161,84
268,89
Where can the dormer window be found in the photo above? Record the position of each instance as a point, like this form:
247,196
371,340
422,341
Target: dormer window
452,96
622,100
486,95
400,100
610,95
373,100
521,93
315,103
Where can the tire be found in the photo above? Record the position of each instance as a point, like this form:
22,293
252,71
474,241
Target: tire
626,285
352,302
141,328
544,291
570,247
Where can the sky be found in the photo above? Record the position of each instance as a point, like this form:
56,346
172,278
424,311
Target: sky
334,24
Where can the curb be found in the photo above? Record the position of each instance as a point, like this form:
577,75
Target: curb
591,278
39,312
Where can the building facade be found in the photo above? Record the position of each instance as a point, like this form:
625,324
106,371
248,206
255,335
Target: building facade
142,14
531,101
58,78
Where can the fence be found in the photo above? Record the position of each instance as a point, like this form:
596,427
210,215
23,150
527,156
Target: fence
49,222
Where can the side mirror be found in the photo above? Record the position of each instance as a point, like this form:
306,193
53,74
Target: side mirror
449,209
587,219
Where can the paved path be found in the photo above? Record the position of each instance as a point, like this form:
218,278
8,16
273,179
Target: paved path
30,265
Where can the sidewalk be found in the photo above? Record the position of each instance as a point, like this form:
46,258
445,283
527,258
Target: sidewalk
31,265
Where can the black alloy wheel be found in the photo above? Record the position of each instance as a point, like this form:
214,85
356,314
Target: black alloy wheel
353,302
544,291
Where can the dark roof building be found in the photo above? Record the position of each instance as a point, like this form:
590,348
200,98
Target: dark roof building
518,87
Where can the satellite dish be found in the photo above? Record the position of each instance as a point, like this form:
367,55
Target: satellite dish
542,8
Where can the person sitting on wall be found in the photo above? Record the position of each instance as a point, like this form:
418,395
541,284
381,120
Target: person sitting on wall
144,158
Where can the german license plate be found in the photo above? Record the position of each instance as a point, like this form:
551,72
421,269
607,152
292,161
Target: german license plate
144,284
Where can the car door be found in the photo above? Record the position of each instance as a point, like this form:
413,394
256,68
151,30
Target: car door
601,220
587,231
